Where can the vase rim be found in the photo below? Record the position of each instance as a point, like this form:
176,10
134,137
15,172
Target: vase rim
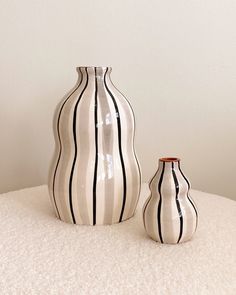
169,159
94,67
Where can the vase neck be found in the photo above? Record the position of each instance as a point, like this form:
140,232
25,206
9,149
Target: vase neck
98,72
169,163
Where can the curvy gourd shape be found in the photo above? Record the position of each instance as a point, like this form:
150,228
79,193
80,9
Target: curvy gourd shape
94,177
169,214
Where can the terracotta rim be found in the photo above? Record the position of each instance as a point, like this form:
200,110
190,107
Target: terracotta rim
169,159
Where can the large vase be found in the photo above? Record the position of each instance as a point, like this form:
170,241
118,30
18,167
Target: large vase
169,214
95,176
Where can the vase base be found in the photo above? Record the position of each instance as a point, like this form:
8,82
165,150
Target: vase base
97,224
171,243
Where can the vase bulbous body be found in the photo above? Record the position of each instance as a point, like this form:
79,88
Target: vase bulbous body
169,214
94,176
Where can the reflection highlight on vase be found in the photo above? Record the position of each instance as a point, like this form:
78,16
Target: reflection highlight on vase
169,214
95,176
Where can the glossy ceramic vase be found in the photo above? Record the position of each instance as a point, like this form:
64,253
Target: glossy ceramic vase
94,176
169,214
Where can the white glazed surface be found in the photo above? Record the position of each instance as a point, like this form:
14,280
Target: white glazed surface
94,176
169,214
39,254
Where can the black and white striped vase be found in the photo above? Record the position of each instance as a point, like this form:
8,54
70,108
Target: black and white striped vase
95,176
169,214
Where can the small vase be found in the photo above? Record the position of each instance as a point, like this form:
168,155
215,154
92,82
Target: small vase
95,176
169,214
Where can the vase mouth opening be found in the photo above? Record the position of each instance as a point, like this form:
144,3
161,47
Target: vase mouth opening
169,159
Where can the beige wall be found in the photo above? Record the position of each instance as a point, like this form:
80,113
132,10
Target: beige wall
175,61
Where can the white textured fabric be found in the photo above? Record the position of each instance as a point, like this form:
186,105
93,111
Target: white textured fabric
40,254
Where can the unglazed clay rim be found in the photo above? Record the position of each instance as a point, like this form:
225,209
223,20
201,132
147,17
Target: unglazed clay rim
169,159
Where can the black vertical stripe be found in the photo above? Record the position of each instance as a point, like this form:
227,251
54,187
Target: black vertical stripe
96,148
140,181
159,204
149,199
177,201
120,146
60,146
191,202
75,142
144,209
150,182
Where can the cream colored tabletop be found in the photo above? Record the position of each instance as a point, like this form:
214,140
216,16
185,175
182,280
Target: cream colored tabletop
39,254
